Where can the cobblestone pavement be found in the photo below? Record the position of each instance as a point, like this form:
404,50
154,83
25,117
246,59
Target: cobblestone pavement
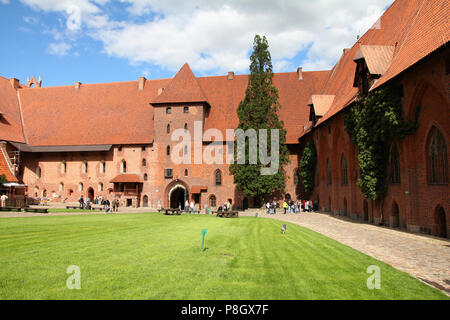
424,257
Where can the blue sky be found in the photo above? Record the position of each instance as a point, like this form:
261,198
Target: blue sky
94,41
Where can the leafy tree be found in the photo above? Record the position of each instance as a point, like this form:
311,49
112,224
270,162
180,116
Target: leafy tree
257,111
2,179
372,123
308,166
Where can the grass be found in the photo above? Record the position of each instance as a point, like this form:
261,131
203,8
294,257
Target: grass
152,256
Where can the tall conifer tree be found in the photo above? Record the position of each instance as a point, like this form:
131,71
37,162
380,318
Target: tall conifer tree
257,111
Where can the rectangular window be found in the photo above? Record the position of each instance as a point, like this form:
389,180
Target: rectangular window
186,109
168,110
168,173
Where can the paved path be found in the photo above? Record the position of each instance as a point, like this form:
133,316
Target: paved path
424,257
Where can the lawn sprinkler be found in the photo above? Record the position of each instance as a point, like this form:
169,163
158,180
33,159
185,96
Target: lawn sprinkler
203,238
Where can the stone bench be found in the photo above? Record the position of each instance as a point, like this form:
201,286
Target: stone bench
39,210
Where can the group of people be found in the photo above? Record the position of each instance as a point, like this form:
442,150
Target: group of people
290,206
110,206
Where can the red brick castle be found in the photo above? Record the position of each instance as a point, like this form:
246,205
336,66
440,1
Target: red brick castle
114,139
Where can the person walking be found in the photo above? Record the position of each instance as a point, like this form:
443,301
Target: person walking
192,206
285,205
107,206
268,207
186,206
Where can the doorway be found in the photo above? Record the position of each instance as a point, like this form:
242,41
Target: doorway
90,194
441,222
177,198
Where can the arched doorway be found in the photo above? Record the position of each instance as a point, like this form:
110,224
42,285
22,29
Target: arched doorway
395,219
90,194
345,207
145,201
288,197
441,222
245,204
365,211
177,197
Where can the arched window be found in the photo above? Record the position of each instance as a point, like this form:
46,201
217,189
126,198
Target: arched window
38,172
344,170
63,166
123,166
185,172
329,177
185,127
61,187
185,150
100,187
144,162
102,166
394,165
212,201
80,187
145,177
437,161
218,178
168,128
168,150
84,166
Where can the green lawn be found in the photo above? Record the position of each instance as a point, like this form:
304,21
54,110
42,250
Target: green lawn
152,256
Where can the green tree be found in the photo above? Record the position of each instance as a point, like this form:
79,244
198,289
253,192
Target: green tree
257,111
308,166
2,179
372,123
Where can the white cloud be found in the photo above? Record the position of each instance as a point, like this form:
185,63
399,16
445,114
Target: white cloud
58,48
216,36
4,1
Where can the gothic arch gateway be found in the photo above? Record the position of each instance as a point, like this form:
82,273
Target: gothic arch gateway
176,194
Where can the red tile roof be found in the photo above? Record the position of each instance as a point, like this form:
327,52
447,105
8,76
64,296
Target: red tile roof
109,113
127,178
414,28
198,189
10,118
224,96
182,88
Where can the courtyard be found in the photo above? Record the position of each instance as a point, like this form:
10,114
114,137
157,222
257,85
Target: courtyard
152,256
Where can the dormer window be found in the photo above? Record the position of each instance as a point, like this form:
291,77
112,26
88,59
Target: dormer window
372,62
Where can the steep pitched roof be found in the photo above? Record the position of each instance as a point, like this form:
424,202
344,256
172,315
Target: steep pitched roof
225,95
95,114
182,88
414,28
10,118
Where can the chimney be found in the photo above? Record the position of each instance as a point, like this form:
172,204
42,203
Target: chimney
160,90
14,82
300,73
77,85
141,83
230,75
